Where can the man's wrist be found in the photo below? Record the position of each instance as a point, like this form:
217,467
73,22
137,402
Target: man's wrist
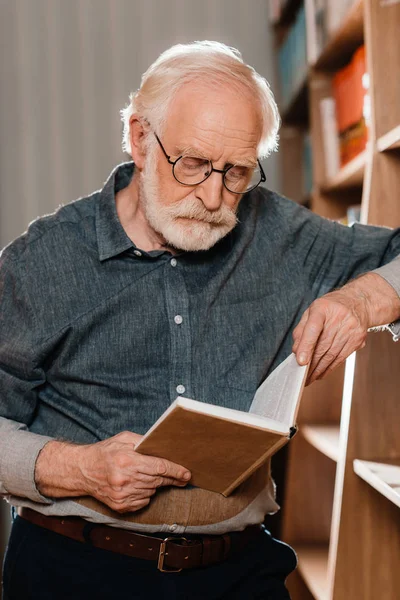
57,470
380,300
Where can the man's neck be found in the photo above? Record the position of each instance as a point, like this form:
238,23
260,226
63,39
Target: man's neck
133,219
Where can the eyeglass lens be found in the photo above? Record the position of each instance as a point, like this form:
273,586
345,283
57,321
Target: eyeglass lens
190,170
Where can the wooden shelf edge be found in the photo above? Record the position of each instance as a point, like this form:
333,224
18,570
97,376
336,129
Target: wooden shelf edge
382,475
313,567
389,141
325,438
350,34
349,176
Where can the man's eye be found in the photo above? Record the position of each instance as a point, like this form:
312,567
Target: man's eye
191,162
237,173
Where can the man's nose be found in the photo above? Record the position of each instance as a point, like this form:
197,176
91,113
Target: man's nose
210,191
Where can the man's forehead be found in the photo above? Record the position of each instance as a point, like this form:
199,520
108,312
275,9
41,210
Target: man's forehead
203,119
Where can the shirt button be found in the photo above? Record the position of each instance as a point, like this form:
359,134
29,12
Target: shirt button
180,389
174,262
178,319
173,527
137,252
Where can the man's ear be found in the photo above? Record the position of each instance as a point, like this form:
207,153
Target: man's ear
137,135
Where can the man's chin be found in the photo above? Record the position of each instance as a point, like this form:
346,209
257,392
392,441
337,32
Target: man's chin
192,241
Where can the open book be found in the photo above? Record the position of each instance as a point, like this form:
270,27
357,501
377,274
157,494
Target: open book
221,446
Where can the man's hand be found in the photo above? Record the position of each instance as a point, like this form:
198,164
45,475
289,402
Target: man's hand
110,471
336,324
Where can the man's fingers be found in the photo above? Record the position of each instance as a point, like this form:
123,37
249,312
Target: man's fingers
156,481
322,372
309,337
164,468
298,330
330,356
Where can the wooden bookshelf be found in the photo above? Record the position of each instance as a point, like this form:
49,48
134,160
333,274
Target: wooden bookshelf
383,476
389,141
324,438
342,483
345,41
313,566
349,176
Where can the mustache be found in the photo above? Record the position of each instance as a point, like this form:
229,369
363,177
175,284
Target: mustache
190,208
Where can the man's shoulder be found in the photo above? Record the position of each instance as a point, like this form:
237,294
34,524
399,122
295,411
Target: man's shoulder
72,221
271,207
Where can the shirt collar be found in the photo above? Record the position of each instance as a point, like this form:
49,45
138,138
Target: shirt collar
111,236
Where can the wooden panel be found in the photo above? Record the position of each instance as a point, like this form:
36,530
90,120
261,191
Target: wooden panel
364,523
334,205
383,50
384,205
297,588
321,401
313,567
325,438
307,510
367,565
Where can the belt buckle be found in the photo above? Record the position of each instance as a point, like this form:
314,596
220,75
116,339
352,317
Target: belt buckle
163,553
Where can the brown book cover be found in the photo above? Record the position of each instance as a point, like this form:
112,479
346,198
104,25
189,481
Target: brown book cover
222,447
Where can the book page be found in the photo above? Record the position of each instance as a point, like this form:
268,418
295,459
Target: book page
278,396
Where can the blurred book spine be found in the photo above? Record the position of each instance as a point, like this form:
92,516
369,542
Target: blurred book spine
276,8
292,60
330,137
328,15
350,88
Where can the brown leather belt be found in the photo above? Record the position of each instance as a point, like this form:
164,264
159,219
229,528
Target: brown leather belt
172,553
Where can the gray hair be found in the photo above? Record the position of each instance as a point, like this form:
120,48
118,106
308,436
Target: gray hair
209,62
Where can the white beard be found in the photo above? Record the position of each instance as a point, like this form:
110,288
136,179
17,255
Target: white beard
204,229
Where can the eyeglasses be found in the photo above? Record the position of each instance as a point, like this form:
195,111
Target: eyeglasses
191,171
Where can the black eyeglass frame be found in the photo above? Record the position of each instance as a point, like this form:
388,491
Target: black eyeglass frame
222,171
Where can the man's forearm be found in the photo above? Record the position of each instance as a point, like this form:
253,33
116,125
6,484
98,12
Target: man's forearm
57,471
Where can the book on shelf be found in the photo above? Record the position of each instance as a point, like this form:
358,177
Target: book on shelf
324,18
221,446
350,88
292,59
330,137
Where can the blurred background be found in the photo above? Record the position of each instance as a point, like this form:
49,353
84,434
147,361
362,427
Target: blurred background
67,68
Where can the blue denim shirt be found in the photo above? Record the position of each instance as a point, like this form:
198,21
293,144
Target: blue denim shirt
98,336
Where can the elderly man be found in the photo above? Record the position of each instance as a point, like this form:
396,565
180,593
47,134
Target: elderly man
181,276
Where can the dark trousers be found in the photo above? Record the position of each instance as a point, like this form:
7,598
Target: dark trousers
43,565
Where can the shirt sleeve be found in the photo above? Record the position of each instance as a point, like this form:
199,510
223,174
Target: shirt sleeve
391,272
332,254
20,376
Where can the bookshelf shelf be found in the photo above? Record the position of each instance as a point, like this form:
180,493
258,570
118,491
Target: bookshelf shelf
345,41
324,438
383,476
349,176
389,141
313,566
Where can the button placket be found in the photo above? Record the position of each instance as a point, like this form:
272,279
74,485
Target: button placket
177,305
